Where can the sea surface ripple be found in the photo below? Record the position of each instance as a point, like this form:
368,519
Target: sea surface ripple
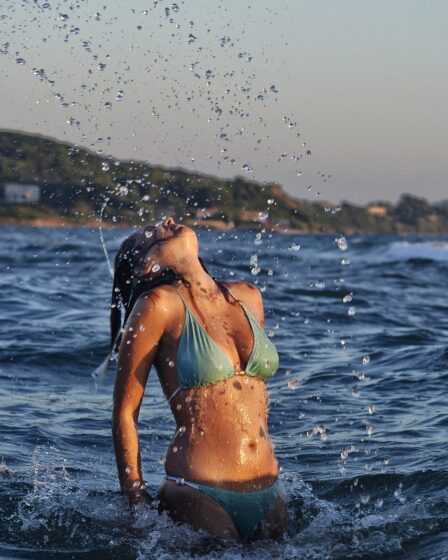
358,408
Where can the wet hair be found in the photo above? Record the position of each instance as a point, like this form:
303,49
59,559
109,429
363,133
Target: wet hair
129,285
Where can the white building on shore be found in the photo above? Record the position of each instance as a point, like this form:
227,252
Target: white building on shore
15,193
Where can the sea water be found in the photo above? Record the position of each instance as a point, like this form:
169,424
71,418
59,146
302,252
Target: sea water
358,407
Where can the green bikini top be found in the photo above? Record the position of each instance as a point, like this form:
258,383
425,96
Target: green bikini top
200,361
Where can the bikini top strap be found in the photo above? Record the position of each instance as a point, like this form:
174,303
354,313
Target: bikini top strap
247,312
187,307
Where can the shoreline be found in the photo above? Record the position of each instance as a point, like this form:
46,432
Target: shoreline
201,224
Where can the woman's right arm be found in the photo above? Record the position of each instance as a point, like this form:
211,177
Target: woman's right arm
138,349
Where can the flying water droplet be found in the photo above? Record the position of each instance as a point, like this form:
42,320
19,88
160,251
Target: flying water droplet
348,298
351,311
120,95
293,384
105,166
255,270
20,61
108,105
247,168
191,38
294,247
342,243
63,17
365,360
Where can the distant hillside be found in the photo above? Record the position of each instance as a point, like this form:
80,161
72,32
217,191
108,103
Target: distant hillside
75,183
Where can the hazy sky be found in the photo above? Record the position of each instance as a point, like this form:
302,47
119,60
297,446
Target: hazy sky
343,98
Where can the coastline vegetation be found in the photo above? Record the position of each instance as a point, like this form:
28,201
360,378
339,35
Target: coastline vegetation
76,185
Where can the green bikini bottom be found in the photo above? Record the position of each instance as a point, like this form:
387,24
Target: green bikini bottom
246,509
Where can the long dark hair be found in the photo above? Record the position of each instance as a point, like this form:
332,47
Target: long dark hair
128,285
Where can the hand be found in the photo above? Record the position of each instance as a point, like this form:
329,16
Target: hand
137,495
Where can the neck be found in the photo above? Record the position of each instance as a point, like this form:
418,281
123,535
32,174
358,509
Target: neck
202,284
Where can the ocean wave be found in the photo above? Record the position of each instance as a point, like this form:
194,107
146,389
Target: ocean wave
419,250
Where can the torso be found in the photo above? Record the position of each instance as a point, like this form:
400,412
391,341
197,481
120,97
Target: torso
221,435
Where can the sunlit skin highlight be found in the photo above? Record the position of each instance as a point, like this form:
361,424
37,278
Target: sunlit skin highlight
221,436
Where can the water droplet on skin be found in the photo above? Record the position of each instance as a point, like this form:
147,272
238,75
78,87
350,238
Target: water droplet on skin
155,268
341,242
175,449
171,363
141,328
127,470
365,360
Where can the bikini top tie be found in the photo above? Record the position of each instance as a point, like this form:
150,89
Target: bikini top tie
200,360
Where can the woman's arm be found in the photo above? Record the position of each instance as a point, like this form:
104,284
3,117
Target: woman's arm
138,350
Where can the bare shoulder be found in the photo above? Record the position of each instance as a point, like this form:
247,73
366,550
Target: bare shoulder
250,296
158,303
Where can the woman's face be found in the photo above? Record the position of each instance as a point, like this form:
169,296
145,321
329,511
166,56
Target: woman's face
173,244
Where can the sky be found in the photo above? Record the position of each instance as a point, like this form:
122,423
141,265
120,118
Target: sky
333,100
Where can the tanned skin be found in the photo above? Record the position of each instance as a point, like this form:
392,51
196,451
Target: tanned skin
221,436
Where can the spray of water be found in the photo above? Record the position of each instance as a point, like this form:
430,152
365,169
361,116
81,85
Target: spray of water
103,243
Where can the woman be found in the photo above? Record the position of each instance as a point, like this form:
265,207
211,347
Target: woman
206,341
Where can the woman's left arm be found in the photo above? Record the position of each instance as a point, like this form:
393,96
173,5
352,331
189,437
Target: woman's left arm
138,349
